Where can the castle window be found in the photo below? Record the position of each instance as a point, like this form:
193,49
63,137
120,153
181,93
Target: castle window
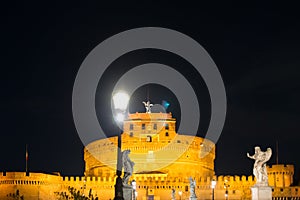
178,141
167,134
149,138
131,127
155,126
131,134
296,189
233,191
143,126
281,190
167,126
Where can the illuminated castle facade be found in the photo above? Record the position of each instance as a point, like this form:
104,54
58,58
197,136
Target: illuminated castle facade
164,160
155,148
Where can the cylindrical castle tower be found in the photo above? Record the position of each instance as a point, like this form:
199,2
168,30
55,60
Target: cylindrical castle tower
155,148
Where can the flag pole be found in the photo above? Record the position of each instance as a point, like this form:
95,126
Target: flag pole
277,152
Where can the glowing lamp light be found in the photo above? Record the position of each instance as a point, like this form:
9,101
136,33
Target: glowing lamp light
120,101
213,184
120,117
180,193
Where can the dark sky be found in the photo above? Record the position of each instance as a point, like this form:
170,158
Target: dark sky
256,48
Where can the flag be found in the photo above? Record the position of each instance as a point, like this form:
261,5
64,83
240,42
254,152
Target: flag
26,156
26,159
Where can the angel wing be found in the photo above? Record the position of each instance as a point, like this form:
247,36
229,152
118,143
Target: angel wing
268,154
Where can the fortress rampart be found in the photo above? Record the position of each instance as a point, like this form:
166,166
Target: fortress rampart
164,160
43,186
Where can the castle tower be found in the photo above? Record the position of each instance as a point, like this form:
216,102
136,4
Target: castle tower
280,175
155,148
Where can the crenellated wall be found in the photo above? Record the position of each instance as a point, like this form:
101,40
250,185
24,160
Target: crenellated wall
35,186
43,186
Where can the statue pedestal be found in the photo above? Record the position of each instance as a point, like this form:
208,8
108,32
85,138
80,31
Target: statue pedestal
128,192
193,198
261,193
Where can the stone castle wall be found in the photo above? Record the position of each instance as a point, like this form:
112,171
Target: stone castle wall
35,186
195,154
43,186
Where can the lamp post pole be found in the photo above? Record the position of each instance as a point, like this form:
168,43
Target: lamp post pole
119,184
120,101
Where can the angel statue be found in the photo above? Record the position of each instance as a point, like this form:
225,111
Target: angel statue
260,169
148,106
128,166
173,194
192,188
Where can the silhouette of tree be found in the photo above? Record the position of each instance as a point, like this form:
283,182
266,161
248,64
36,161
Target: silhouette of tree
75,194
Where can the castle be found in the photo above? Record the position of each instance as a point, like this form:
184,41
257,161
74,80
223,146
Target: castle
164,160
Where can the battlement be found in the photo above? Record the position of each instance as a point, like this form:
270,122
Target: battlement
147,116
162,183
162,178
30,175
88,179
281,167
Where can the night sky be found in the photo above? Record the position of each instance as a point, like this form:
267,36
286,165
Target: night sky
255,47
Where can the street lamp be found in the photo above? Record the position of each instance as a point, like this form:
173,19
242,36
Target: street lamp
120,102
180,193
213,185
